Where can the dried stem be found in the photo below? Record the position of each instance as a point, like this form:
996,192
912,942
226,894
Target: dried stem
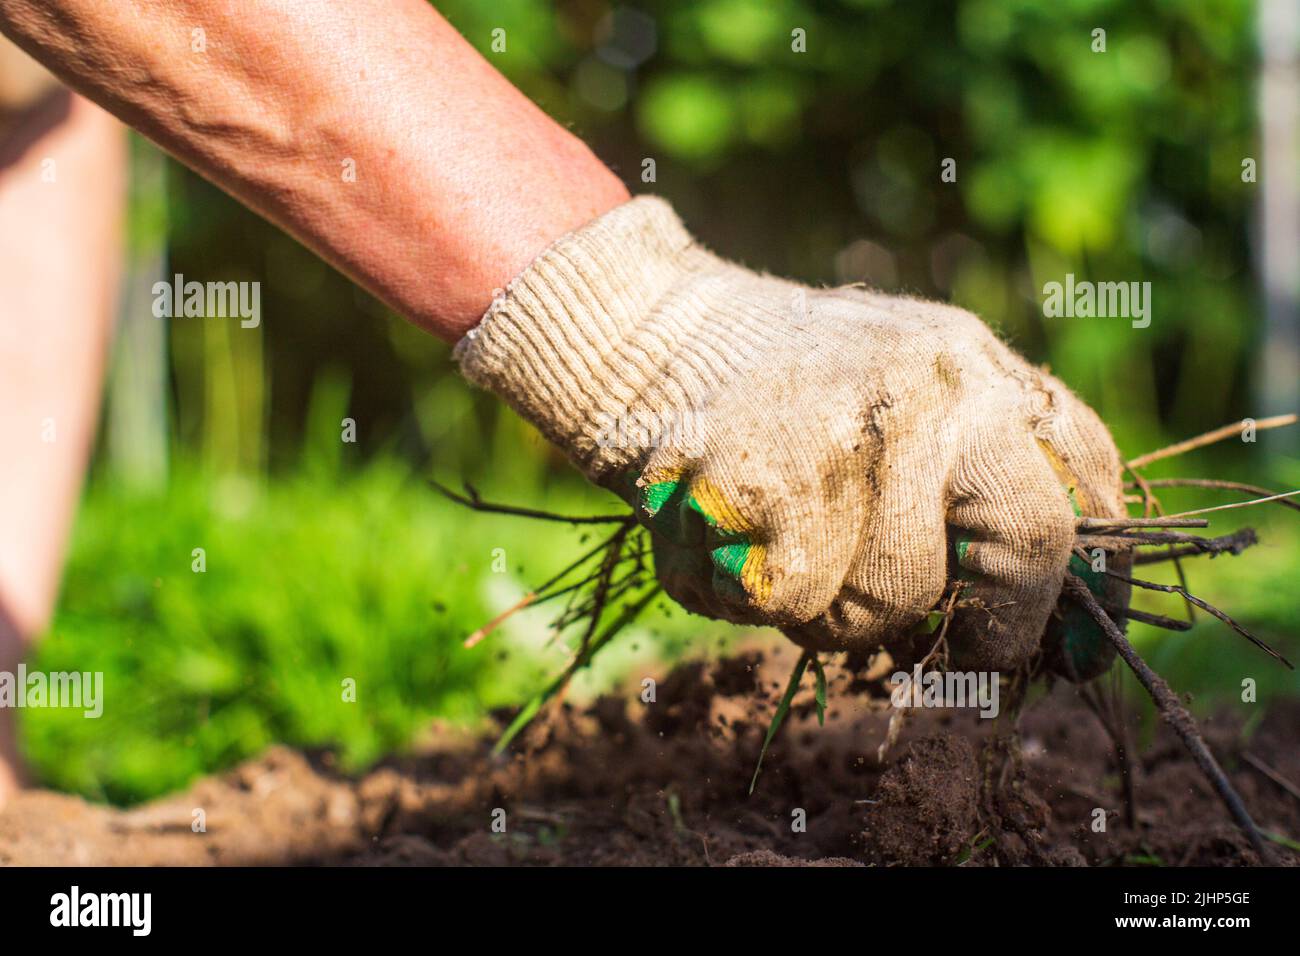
1178,569
1122,541
1272,774
1143,617
1148,497
1215,483
604,579
500,619
627,614
1114,727
589,598
1238,504
1210,437
538,594
1119,524
1112,721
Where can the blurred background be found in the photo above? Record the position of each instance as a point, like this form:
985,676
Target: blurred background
328,559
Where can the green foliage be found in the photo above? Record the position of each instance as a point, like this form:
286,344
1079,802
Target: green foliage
1115,165
205,668
690,116
309,581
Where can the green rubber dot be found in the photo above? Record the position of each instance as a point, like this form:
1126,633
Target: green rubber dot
932,621
730,558
960,548
1074,502
654,496
1096,580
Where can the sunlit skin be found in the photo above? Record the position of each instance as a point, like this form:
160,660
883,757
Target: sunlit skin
460,181
62,181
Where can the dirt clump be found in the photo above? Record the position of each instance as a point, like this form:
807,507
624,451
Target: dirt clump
926,806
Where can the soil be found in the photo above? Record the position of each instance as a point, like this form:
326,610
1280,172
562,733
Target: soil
624,782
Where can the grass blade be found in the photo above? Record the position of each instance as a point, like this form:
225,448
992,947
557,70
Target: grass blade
821,691
782,709
627,614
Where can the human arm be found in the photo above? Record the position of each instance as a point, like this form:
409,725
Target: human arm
460,180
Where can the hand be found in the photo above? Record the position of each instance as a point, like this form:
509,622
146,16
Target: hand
824,461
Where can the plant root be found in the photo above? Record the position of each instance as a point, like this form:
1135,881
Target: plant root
1233,544
1175,714
1205,606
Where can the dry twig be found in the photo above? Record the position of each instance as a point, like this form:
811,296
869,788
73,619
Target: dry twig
1210,437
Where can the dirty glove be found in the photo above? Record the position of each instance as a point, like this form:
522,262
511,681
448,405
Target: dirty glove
820,460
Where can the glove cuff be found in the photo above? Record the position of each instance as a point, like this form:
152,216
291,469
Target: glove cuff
568,343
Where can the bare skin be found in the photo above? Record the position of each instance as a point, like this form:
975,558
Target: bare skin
62,181
460,181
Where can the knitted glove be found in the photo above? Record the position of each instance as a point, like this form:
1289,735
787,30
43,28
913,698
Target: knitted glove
820,460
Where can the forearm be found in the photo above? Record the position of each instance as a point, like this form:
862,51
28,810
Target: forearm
459,179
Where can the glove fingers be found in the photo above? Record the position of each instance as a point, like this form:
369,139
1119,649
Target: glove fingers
1013,529
1085,461
898,571
708,553
661,493
1084,456
687,577
794,574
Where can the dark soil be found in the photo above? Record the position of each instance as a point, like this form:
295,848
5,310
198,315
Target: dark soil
623,782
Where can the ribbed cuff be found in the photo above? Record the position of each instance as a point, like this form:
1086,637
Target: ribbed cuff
567,344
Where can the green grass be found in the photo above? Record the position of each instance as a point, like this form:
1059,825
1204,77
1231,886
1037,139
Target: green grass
310,581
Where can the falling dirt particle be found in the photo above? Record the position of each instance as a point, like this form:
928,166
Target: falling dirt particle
737,676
